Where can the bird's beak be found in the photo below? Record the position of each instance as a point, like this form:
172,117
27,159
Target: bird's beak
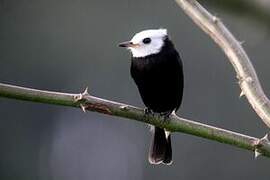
128,44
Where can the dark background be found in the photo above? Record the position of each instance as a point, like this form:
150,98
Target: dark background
66,45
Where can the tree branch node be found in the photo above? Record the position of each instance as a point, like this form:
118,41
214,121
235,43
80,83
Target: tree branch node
259,143
81,96
216,19
242,42
247,79
241,94
124,108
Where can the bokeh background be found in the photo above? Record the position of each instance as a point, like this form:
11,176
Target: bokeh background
66,45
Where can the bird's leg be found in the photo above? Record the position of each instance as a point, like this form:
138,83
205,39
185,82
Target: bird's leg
165,115
148,111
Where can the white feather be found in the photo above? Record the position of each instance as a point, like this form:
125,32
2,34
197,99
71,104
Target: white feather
154,47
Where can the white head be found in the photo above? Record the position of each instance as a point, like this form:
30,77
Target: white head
146,42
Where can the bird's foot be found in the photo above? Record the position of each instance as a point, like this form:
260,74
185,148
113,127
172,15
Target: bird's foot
148,111
165,115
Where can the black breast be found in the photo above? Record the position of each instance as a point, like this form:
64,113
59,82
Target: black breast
159,78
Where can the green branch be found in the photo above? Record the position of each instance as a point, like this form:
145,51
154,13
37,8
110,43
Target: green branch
173,124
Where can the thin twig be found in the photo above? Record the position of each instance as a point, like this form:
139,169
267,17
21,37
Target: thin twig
173,124
247,77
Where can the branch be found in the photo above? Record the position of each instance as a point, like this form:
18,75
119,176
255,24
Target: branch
246,74
173,124
258,11
247,77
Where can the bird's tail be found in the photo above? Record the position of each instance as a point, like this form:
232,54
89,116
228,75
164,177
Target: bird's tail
160,148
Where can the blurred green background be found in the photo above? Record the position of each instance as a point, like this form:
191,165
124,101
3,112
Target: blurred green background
66,45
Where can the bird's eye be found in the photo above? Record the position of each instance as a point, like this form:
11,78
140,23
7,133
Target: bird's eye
146,40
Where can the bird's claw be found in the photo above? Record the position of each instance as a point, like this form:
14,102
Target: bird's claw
165,115
148,111
124,107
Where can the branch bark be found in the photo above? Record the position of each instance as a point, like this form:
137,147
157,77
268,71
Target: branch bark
247,77
173,124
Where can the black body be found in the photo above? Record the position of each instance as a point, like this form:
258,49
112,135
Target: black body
160,81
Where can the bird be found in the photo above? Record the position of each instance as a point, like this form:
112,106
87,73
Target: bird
157,69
